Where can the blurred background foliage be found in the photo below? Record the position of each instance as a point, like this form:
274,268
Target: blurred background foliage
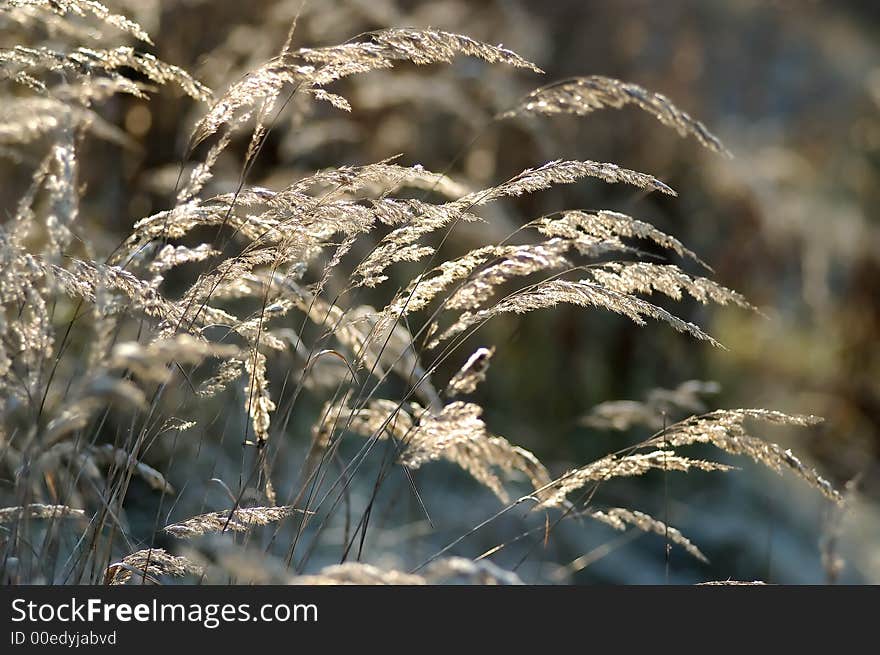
792,89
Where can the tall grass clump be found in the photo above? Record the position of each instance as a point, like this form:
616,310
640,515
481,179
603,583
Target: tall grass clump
240,312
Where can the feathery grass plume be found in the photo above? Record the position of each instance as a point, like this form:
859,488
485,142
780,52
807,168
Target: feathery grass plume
515,261
613,466
83,278
28,340
509,262
174,424
191,304
582,293
668,279
728,583
562,171
419,219
171,256
333,99
24,79
261,87
240,520
83,8
265,103
619,518
471,374
423,218
380,178
252,329
424,288
63,207
57,177
725,429
606,225
149,564
459,422
39,511
479,456
154,69
399,244
86,61
258,403
31,338
583,95
418,46
229,372
652,412
456,434
220,210
168,224
202,172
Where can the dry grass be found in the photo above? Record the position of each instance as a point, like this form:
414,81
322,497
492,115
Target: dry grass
285,274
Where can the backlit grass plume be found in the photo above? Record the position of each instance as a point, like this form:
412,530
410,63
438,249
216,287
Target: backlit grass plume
238,314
